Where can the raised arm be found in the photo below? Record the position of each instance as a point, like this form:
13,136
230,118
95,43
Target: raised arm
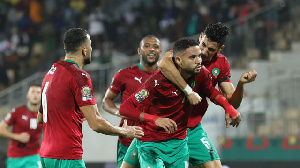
100,125
169,70
235,96
109,105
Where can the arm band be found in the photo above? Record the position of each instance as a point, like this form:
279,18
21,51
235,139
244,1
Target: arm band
222,101
187,90
150,118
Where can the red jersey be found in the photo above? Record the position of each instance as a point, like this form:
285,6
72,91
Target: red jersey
65,88
23,120
219,69
159,97
127,81
201,84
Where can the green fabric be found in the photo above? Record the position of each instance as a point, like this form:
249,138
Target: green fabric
168,153
62,163
121,152
73,63
32,161
201,148
131,156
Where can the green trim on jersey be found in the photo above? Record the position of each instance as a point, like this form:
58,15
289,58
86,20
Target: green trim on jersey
73,63
141,68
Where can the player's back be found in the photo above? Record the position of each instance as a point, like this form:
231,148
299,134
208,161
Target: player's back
62,118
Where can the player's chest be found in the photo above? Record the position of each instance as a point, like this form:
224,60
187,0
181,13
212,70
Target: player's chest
27,121
215,70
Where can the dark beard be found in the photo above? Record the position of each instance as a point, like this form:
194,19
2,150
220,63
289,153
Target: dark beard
86,61
149,63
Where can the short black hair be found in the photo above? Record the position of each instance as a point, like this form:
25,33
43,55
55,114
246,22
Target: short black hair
148,36
34,85
74,38
182,44
217,32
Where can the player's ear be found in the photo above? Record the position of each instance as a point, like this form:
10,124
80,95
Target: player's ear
177,60
139,50
200,37
221,48
83,51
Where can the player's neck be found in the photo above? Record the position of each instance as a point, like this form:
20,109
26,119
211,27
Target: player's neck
148,68
75,58
185,75
33,107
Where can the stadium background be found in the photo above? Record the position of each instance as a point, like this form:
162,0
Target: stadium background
264,36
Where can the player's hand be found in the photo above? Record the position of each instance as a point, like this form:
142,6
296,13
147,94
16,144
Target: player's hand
248,76
23,137
194,98
167,124
132,131
235,121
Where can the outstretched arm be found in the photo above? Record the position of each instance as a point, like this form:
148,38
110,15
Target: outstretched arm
235,96
109,105
169,70
100,125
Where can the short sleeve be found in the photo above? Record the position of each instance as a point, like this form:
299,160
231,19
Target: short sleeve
224,75
10,118
83,90
116,83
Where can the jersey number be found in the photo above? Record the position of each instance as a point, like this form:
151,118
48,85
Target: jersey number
44,102
206,143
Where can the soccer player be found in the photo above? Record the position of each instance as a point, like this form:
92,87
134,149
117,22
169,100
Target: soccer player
126,82
159,105
24,144
67,98
202,151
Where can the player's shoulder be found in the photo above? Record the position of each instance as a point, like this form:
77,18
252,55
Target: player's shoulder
18,109
221,57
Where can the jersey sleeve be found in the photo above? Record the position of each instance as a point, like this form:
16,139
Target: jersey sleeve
10,118
206,86
116,83
139,99
83,90
224,75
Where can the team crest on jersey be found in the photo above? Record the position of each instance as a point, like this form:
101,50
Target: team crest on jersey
86,93
141,95
215,72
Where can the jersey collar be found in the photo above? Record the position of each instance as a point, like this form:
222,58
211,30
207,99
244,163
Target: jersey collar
141,68
73,63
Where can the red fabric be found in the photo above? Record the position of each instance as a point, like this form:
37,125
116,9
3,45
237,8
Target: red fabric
161,98
66,88
23,120
222,101
126,82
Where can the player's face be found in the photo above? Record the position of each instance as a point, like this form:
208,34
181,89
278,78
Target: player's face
208,48
34,95
191,60
88,55
150,50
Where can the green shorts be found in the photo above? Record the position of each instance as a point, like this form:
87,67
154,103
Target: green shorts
62,163
201,148
32,161
131,156
168,153
121,152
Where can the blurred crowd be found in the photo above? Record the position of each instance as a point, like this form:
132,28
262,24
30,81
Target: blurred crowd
31,30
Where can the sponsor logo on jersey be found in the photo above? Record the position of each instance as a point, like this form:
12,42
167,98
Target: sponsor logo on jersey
86,93
24,117
141,95
215,72
138,79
